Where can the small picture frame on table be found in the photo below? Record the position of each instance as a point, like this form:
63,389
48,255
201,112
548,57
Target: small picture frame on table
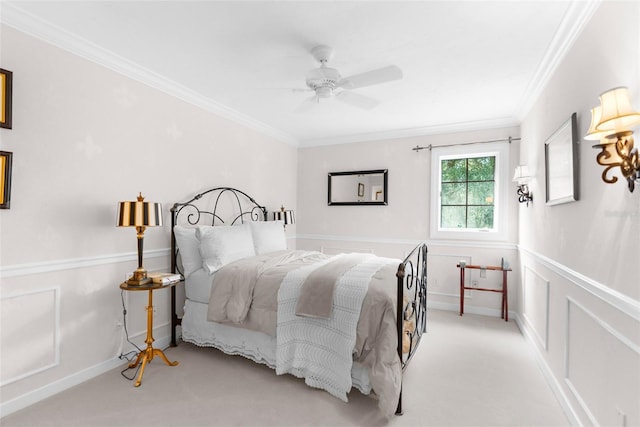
6,95
5,179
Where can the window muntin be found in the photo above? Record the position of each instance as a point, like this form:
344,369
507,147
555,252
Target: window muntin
467,192
455,191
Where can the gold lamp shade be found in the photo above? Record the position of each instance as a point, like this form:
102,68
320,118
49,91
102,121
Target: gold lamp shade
284,215
139,214
594,134
611,123
617,112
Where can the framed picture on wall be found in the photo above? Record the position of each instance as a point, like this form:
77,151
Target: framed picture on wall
5,179
561,164
6,84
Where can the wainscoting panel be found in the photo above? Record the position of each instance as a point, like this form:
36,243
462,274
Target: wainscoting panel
535,296
32,343
444,277
602,368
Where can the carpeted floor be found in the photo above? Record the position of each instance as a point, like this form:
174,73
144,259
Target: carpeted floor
469,371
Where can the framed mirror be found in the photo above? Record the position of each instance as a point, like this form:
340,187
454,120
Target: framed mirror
358,188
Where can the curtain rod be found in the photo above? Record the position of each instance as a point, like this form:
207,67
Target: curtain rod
430,147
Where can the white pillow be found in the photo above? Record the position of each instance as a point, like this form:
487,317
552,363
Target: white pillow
189,249
268,236
221,245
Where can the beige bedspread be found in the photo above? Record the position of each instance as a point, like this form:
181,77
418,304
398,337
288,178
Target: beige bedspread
316,294
244,294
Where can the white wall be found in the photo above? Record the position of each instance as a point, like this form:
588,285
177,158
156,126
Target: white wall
393,230
580,260
575,286
84,138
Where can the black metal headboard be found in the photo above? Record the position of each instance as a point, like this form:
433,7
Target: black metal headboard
216,206
199,209
204,209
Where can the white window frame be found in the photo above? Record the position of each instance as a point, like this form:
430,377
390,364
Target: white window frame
501,151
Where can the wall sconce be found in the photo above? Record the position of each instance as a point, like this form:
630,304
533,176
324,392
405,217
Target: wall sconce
522,177
610,123
139,214
286,216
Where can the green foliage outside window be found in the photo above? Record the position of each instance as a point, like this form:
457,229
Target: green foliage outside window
468,192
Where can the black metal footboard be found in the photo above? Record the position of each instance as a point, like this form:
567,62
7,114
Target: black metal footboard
412,306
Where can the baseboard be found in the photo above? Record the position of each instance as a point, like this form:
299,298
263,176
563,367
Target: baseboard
469,309
49,390
528,335
548,373
65,383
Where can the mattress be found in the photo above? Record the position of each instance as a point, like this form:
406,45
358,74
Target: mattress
198,286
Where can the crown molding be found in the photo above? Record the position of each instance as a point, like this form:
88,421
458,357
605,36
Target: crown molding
575,19
577,16
413,132
15,17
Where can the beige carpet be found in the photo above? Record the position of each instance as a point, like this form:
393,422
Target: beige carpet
469,371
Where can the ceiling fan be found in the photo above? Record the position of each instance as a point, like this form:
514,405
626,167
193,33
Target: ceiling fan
327,82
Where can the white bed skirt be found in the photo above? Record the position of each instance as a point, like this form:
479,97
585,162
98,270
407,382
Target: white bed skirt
259,347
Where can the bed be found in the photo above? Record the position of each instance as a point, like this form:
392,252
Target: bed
340,322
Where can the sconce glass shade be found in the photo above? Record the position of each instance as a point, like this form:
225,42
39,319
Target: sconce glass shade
522,175
617,113
594,134
286,216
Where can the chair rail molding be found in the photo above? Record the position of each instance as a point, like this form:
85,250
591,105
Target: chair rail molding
625,304
429,242
72,263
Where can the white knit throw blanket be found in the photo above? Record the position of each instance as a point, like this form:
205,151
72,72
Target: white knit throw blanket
316,349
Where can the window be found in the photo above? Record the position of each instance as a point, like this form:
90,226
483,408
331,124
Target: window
467,186
468,200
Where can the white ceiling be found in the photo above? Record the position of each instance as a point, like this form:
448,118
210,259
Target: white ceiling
466,64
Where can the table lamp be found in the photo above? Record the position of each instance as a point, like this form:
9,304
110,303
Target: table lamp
286,216
139,214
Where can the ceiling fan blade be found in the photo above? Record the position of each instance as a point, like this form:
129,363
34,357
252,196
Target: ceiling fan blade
373,77
357,100
308,104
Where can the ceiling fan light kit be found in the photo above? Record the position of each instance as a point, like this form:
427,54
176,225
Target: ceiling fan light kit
326,81
323,80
